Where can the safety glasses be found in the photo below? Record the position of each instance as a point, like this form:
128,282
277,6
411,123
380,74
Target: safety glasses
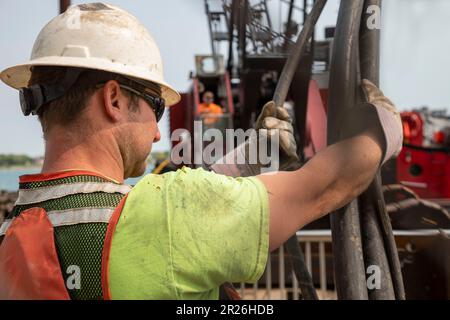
157,104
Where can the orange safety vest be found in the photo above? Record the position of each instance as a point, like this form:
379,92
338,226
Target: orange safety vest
29,263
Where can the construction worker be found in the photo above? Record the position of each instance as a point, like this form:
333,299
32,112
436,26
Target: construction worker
209,109
77,232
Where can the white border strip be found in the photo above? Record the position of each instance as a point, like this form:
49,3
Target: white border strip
29,196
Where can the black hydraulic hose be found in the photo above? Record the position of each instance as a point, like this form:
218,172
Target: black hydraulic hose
380,287
349,267
380,247
389,240
371,233
305,281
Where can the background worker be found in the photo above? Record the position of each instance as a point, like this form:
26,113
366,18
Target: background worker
209,109
77,232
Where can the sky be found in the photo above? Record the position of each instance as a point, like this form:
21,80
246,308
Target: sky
415,55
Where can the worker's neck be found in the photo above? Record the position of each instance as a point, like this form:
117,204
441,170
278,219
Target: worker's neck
98,152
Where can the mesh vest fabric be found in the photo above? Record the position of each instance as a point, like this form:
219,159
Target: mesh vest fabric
77,244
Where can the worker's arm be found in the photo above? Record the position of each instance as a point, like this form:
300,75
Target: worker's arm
339,173
327,182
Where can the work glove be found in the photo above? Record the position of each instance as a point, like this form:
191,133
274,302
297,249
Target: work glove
389,118
274,119
271,121
379,113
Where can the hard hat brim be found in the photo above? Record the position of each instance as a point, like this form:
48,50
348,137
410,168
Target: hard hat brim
19,75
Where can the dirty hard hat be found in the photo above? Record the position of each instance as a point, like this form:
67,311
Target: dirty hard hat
96,36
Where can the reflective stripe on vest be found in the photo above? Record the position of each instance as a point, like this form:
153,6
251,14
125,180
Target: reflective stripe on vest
72,216
36,195
69,217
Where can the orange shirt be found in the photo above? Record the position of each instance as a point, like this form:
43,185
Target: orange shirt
211,108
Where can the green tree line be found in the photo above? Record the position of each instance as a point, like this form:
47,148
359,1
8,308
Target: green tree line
9,160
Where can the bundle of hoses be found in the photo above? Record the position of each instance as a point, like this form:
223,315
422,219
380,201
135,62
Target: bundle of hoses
361,231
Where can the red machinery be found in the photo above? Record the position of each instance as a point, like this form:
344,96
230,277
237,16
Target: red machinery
424,163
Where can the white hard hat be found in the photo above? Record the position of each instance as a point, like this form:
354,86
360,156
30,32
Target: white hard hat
96,36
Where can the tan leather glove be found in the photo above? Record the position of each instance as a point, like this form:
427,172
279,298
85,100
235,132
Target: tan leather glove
378,113
389,118
267,123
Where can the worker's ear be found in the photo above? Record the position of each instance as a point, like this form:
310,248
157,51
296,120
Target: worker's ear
115,101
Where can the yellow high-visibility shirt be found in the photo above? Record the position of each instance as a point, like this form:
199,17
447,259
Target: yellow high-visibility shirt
182,234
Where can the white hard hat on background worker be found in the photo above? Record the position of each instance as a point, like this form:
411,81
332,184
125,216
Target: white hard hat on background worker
78,38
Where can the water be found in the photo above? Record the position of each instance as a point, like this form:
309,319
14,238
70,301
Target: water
9,178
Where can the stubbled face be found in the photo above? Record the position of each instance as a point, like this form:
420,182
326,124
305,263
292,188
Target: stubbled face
136,139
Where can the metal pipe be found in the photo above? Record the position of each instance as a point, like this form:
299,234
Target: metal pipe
242,29
232,23
288,32
400,188
63,5
213,48
345,225
415,202
266,9
290,67
305,12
